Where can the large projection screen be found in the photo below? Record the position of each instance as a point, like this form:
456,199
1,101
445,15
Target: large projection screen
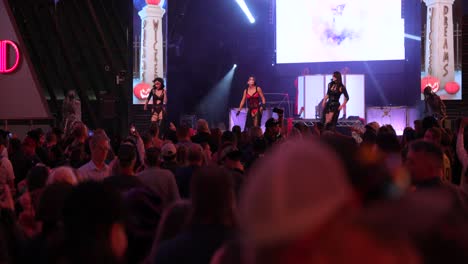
339,30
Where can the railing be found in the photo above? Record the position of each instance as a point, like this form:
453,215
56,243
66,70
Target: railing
31,122
279,100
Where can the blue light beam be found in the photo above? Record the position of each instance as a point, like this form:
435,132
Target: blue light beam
213,105
246,10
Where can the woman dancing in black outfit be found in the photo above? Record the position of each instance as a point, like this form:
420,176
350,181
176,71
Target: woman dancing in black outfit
158,93
331,101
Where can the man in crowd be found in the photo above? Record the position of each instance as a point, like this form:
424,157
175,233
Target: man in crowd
184,174
434,135
168,153
231,160
272,131
184,137
24,159
39,137
203,134
161,181
424,162
96,169
125,179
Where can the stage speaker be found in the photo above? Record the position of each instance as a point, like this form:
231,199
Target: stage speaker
107,107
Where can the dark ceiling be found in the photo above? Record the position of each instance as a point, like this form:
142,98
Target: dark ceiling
77,44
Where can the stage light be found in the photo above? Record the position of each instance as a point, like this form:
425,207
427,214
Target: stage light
246,10
235,66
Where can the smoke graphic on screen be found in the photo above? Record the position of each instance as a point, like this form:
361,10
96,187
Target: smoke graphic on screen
339,30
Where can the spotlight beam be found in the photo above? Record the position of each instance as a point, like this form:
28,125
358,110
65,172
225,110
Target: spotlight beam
246,10
217,98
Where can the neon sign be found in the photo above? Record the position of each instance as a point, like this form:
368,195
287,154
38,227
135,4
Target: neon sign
4,66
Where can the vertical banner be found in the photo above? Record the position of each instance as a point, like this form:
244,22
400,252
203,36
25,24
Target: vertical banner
442,40
149,46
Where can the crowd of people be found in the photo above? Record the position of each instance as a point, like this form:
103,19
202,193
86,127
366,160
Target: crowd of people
295,194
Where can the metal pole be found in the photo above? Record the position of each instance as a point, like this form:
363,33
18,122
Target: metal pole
457,44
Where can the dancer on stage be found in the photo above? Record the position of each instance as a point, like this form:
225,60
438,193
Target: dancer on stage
253,94
331,101
158,93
